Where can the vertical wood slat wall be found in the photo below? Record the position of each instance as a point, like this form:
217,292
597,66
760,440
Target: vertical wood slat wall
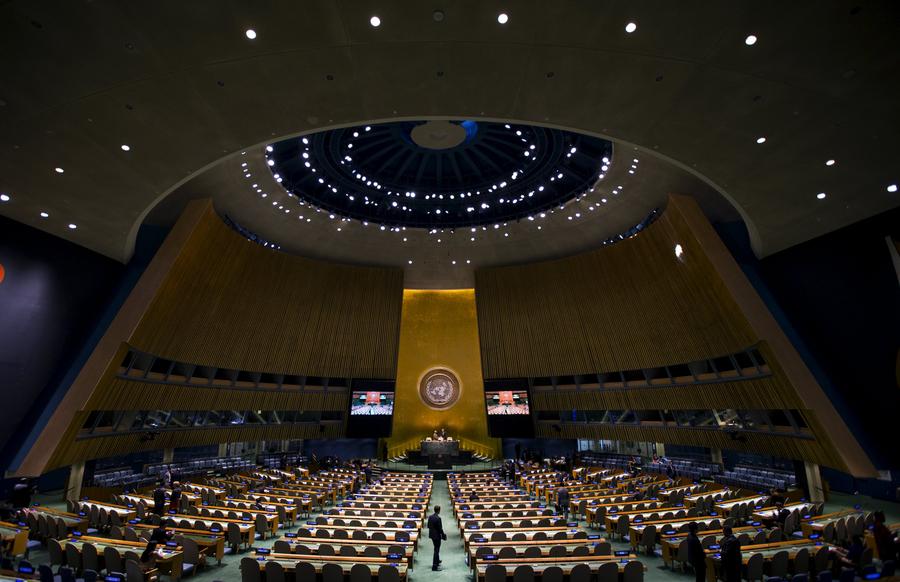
626,306
231,303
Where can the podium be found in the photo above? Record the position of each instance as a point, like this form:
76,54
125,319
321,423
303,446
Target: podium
440,454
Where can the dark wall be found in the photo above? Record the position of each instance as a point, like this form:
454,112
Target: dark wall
50,298
56,300
547,447
343,449
837,298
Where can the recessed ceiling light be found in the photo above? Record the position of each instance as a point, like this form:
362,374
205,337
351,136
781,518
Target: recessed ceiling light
125,147
4,197
821,195
760,140
679,251
892,188
750,40
251,34
270,162
503,18
58,170
410,262
830,163
375,21
44,215
630,27
73,226
468,261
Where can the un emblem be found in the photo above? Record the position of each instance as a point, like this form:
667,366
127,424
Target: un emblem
439,388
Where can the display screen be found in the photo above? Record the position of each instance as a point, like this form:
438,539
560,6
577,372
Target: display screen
372,404
507,402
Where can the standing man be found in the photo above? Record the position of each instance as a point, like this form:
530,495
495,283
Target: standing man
696,555
436,533
731,556
159,499
562,499
175,498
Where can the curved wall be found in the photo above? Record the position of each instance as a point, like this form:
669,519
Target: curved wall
629,305
228,302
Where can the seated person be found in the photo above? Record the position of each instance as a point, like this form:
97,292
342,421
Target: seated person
435,435
473,496
849,557
148,558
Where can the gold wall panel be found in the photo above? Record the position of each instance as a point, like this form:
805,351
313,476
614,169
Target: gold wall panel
230,303
439,329
625,306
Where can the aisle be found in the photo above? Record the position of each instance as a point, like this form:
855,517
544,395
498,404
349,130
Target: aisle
452,554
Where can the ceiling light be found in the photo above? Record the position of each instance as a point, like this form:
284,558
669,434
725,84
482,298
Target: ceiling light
630,27
251,34
679,251
821,195
503,18
58,170
4,197
270,162
375,21
410,262
270,149
892,188
125,147
44,215
760,140
73,226
468,261
750,40
830,163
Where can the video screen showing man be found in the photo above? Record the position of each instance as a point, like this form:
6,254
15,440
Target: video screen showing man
507,402
372,404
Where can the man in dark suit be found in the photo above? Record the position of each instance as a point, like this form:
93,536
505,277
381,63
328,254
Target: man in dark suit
159,499
436,533
562,499
696,555
731,556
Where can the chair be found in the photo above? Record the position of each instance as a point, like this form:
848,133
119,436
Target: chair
551,574
134,573
304,572
67,574
347,551
113,560
523,573
45,572
57,556
608,572
633,572
648,539
778,564
557,551
498,536
326,550
622,527
847,575
73,558
193,559
824,576
249,571
332,573
274,572
262,526
375,552
341,534
530,552
540,535
888,568
801,562
281,547
89,558
388,573
360,573
754,568
233,536
495,573
800,578
581,551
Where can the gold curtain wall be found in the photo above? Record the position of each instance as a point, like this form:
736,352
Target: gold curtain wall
439,329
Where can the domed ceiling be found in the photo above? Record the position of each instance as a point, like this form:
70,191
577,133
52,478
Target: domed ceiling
438,174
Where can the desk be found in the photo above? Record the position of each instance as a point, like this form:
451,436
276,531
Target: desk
440,448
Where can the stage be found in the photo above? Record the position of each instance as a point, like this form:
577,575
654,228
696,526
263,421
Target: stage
439,474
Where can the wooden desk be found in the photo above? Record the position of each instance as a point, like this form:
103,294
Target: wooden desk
15,538
714,561
288,562
170,560
212,543
565,563
312,544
